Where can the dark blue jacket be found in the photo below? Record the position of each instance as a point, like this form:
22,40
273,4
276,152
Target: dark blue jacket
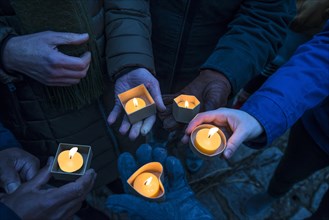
301,84
7,139
7,214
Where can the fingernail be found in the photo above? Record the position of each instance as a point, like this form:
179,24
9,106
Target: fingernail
11,187
50,160
228,153
84,35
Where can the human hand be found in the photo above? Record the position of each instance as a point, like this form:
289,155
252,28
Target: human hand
36,55
30,201
311,15
179,203
243,125
16,166
126,82
211,88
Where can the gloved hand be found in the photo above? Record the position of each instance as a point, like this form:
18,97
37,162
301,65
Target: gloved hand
19,166
180,202
46,64
126,82
311,16
211,88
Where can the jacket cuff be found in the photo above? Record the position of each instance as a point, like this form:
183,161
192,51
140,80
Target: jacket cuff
270,116
2,48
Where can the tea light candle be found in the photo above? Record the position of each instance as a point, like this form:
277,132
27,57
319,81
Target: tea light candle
147,184
207,140
186,104
70,160
134,104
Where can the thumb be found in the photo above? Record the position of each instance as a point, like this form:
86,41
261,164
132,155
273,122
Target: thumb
127,203
10,179
156,94
59,38
234,142
43,175
176,173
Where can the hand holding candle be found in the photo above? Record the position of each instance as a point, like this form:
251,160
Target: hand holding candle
70,160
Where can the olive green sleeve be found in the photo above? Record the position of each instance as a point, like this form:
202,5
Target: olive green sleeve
128,36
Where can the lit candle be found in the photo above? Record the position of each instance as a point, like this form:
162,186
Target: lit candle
207,140
186,104
70,160
147,184
134,104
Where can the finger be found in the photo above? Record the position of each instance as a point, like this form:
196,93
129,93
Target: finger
62,82
43,175
114,113
160,155
176,174
170,123
168,98
156,95
30,168
126,203
234,142
205,117
61,38
69,209
126,165
74,190
125,125
144,154
9,177
185,139
148,124
72,63
135,130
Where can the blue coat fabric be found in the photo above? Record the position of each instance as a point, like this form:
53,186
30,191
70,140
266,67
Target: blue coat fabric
7,139
301,84
7,214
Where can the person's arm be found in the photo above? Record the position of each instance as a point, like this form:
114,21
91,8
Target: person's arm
302,83
128,37
252,40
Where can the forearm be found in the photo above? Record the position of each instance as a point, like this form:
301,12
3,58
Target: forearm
296,87
128,36
252,39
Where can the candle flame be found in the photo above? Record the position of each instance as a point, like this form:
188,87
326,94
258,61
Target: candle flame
148,181
212,131
186,104
72,152
135,102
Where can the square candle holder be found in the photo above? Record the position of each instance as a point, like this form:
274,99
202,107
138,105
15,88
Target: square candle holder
86,154
224,134
182,114
154,168
138,92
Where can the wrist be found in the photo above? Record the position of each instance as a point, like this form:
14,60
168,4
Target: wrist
215,75
5,54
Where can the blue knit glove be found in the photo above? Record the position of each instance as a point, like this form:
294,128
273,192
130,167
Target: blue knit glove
180,202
